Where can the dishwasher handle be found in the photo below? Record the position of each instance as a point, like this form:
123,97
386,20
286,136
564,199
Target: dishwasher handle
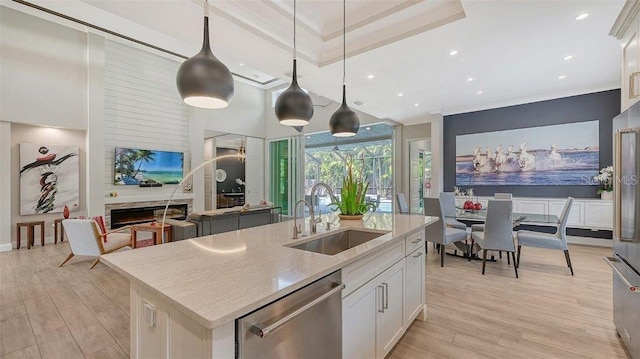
262,331
632,288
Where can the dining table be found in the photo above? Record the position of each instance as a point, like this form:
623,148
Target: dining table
519,218
480,216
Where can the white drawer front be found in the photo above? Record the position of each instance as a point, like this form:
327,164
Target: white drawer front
531,206
414,241
356,274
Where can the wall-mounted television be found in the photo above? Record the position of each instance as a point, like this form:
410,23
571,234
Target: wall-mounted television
136,166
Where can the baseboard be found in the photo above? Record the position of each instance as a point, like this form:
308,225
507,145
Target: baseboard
588,241
6,247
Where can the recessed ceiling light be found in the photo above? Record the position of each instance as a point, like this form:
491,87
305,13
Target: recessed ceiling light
368,128
470,79
582,16
568,57
561,77
308,136
416,104
479,92
370,76
241,64
400,94
358,103
453,52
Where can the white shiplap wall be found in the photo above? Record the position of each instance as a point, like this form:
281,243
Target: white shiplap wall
142,109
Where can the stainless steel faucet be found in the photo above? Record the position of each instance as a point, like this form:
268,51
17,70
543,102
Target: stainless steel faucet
296,230
313,221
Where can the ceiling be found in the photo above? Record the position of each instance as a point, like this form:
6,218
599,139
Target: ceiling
372,133
513,49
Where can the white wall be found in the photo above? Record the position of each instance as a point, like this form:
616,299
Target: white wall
5,187
142,110
245,115
43,72
47,136
254,171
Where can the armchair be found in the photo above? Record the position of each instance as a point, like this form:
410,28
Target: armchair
86,239
550,241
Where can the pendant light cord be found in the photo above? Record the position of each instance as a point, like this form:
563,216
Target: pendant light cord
295,52
344,41
206,8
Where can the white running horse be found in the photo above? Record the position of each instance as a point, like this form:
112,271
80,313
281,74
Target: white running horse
500,159
526,161
555,156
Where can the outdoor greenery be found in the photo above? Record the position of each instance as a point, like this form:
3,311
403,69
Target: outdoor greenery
353,200
322,165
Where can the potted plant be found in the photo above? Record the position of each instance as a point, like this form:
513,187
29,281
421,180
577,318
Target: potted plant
353,203
605,177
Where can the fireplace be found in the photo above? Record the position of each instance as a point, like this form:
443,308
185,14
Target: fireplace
127,216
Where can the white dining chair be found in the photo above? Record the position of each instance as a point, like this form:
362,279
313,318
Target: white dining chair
439,232
403,208
86,239
448,202
480,227
556,240
498,232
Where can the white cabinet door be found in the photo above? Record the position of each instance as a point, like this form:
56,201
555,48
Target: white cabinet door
390,322
359,321
598,215
530,206
414,287
630,65
576,215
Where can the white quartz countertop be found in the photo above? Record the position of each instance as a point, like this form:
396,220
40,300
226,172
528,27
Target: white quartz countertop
216,279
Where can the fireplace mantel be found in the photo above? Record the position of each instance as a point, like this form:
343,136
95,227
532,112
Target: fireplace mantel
148,198
144,201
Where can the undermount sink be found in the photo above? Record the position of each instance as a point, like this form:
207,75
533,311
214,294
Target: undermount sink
334,243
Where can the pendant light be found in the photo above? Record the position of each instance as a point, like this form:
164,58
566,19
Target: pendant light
294,106
203,80
344,122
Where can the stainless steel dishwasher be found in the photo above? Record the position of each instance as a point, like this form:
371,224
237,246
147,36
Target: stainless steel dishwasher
304,324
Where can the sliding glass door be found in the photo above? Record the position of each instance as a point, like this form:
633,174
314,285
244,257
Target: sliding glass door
285,172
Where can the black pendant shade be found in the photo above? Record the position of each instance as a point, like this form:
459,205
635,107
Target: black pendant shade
344,122
294,106
203,80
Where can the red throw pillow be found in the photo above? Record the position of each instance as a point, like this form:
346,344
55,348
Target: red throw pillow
100,221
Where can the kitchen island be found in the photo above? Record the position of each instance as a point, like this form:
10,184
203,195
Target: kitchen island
187,295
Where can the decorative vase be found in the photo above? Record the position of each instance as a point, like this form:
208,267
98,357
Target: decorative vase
606,195
65,212
347,217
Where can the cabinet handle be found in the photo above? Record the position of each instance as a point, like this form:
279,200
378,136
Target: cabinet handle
262,331
381,310
632,87
417,240
632,288
417,255
386,295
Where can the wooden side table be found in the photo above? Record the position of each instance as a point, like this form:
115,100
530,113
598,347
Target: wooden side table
153,227
58,223
30,232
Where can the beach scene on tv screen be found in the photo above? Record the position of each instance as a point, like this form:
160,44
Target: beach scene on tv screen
135,166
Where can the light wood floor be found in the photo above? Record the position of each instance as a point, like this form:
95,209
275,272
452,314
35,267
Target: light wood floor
546,313
74,312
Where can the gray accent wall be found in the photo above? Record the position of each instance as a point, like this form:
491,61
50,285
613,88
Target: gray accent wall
602,106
